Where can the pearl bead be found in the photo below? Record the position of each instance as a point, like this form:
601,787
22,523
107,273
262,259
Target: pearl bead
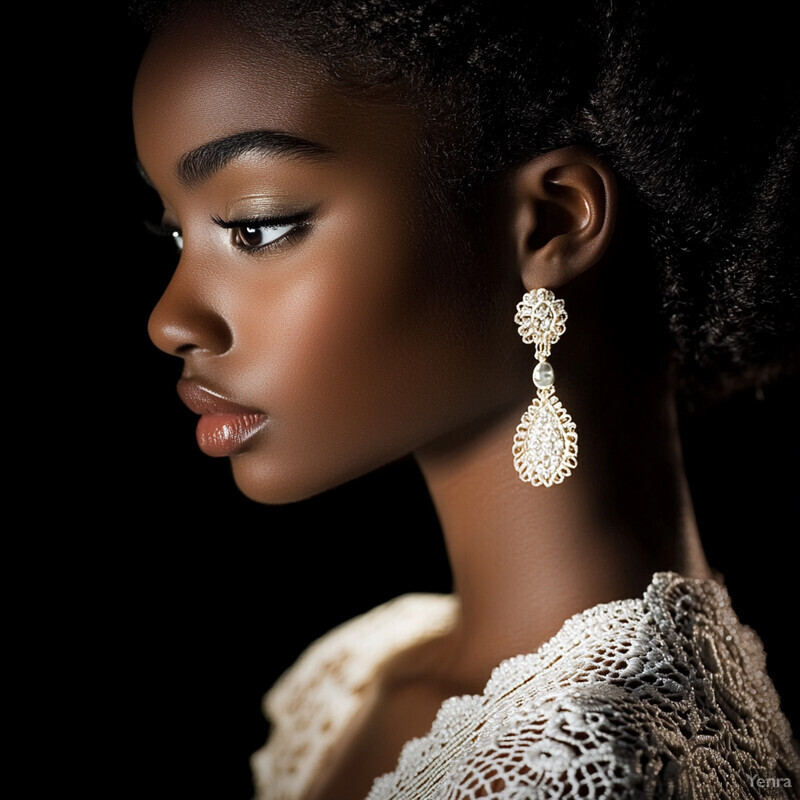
543,375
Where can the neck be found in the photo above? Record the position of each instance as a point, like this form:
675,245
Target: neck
524,558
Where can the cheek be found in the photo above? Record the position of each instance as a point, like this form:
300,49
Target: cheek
364,328
362,345
361,360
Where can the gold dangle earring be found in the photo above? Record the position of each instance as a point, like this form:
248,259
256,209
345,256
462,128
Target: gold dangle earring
546,443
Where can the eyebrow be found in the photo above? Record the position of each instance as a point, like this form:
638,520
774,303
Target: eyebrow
200,164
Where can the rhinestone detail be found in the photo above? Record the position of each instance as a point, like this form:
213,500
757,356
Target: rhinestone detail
546,443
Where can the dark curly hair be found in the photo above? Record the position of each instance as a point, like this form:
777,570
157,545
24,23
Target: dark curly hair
697,114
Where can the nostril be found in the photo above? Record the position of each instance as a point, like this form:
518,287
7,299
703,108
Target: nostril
184,320
181,331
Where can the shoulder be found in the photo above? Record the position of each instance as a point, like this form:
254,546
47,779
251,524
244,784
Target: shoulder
352,652
663,696
312,706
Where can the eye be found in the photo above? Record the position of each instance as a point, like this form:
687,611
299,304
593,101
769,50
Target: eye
262,234
254,236
168,231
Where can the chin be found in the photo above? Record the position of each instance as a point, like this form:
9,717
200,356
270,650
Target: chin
270,482
275,492
275,487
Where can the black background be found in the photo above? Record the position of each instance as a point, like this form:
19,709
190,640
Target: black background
173,602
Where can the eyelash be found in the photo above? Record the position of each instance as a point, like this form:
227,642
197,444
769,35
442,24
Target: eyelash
297,223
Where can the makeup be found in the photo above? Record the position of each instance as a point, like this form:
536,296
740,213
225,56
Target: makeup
224,427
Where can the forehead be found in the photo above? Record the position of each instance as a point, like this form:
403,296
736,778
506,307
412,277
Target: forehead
204,78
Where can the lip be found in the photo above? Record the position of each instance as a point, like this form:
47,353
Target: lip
224,427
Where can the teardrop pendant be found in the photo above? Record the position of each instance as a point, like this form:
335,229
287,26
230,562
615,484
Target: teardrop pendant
546,443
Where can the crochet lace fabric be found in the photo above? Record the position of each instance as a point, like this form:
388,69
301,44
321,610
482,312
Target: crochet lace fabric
662,697
313,705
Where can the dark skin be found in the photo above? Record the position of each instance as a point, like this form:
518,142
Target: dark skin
355,337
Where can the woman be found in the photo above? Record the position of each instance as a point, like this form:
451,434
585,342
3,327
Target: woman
387,215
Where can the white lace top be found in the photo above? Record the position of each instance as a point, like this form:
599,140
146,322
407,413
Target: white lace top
666,696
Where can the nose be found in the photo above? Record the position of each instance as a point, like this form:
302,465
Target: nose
185,320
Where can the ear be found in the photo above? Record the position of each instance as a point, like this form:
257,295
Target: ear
565,209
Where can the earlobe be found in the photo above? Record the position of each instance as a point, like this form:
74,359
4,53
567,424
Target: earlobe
565,206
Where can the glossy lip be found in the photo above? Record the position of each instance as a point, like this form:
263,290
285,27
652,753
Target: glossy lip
224,427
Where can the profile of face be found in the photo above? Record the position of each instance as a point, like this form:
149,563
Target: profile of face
326,326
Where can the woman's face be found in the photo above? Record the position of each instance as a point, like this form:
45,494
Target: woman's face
324,325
